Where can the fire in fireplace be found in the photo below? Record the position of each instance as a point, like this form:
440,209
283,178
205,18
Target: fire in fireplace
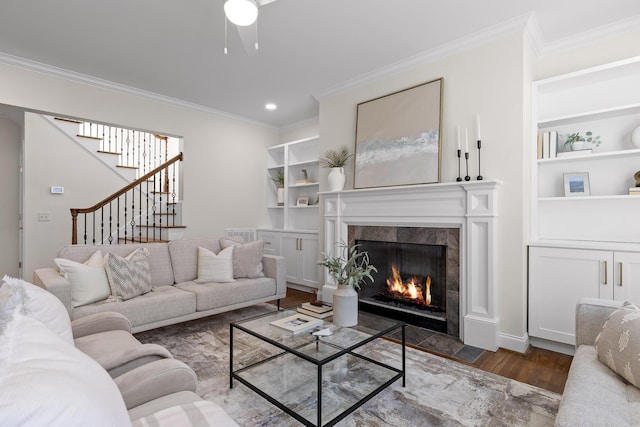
412,291
411,281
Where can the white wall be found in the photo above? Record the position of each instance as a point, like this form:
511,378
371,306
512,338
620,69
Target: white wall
301,130
493,80
224,158
10,137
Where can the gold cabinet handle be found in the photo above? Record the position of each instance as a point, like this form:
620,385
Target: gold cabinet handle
605,272
300,244
620,266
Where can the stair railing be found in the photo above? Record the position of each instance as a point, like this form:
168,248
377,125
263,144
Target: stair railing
137,149
148,214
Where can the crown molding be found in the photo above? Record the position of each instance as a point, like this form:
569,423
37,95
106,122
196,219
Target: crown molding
53,71
471,41
629,24
527,24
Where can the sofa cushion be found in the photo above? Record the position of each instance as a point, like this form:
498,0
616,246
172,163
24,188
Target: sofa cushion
41,305
247,258
595,395
618,344
184,256
130,276
216,295
88,280
215,268
159,259
45,381
163,302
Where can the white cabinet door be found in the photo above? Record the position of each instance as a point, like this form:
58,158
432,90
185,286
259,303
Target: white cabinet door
289,244
626,271
558,278
309,260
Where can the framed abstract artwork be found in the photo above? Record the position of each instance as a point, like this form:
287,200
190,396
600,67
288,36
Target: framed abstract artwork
398,138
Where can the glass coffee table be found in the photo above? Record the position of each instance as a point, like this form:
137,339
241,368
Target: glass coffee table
318,380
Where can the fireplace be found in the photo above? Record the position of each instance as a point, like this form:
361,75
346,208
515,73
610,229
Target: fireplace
470,209
418,274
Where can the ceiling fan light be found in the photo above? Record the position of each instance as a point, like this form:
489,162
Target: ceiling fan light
241,12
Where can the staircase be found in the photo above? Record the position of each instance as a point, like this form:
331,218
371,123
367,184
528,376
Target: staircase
148,207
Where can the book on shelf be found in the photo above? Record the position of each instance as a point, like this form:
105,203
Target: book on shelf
576,153
316,308
297,323
547,144
304,181
315,314
634,191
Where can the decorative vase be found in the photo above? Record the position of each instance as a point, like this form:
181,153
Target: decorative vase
635,137
280,196
577,146
345,306
336,179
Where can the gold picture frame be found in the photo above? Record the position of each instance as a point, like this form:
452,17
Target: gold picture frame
398,137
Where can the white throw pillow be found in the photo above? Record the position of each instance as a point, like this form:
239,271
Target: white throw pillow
215,268
130,276
43,306
45,381
89,281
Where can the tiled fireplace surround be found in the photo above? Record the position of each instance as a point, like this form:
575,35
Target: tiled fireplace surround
470,207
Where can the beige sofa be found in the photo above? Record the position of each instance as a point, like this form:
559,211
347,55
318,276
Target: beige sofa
175,296
594,395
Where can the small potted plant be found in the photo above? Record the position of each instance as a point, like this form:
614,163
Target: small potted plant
336,160
279,181
575,141
349,271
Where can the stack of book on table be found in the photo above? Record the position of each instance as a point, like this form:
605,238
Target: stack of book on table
634,191
318,311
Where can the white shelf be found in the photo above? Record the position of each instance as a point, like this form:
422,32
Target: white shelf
592,198
588,116
595,156
305,163
310,184
292,158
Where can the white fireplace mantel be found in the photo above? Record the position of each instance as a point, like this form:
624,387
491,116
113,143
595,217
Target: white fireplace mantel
470,206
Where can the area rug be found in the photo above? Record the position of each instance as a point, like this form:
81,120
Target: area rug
438,392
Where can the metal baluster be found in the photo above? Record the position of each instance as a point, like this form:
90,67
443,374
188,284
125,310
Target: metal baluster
125,218
85,229
110,223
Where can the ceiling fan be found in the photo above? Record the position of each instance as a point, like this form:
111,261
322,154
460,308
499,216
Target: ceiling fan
244,14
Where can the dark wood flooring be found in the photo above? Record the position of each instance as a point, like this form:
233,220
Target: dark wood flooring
542,368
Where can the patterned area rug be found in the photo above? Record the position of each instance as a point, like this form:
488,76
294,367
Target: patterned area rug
439,392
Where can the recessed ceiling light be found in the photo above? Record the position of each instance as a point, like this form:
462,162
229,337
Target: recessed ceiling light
271,106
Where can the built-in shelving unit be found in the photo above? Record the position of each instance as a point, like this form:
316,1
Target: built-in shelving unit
292,226
585,246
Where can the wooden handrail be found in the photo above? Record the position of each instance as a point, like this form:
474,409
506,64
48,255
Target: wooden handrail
114,196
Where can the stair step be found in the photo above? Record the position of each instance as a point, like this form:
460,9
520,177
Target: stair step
166,213
89,137
109,152
162,226
127,167
141,240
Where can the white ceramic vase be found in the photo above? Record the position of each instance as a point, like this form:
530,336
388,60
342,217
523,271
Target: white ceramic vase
345,306
336,179
635,137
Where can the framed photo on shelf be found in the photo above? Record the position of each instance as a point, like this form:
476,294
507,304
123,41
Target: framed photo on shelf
302,201
297,323
576,184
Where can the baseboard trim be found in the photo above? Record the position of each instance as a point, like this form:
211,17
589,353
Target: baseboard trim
514,343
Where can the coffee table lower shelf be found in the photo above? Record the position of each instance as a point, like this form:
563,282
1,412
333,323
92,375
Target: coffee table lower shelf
315,389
